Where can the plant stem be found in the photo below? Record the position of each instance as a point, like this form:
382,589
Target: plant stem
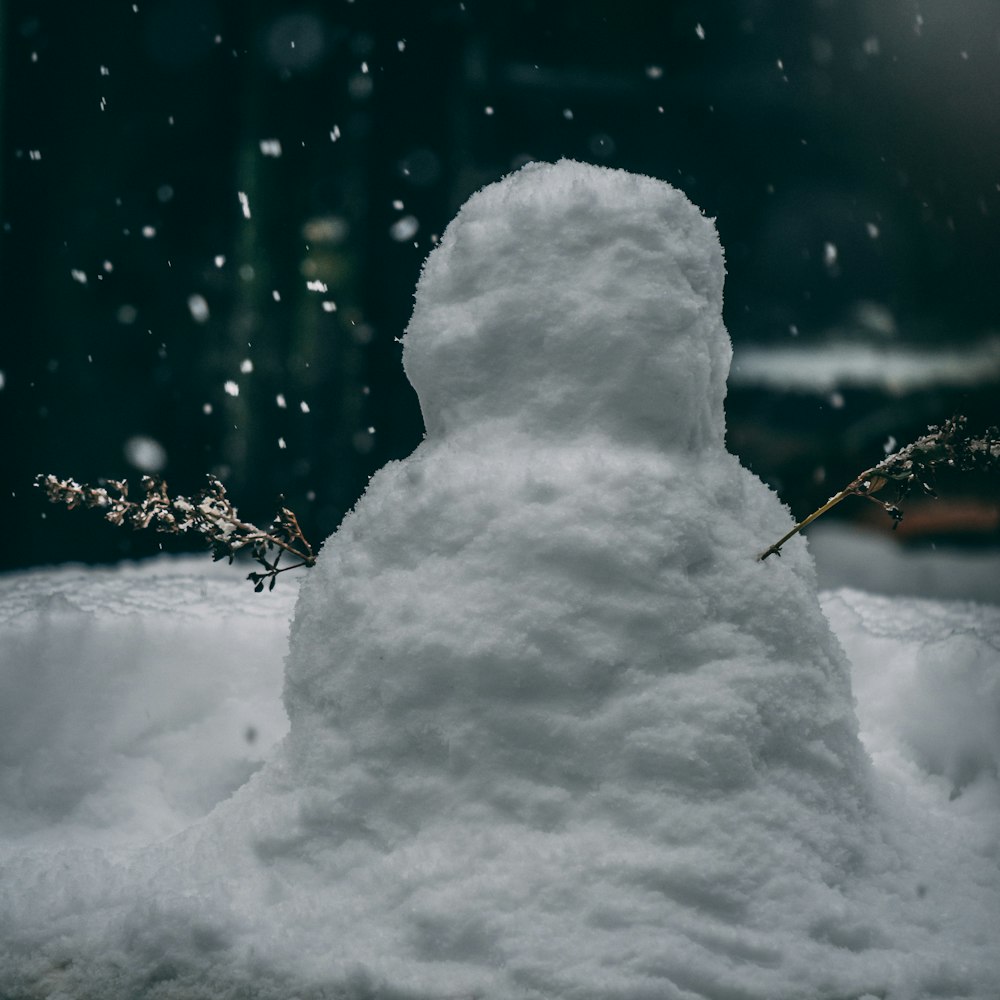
775,549
865,485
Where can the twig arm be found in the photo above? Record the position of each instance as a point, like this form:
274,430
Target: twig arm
210,513
775,549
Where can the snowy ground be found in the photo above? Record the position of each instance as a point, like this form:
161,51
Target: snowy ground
134,699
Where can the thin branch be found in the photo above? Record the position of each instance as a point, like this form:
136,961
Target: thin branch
209,513
912,468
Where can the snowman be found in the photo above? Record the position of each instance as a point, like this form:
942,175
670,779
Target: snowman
556,733
541,650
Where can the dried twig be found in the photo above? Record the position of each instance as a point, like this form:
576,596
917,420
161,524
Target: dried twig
210,513
912,468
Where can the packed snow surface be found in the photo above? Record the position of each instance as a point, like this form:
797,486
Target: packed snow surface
553,730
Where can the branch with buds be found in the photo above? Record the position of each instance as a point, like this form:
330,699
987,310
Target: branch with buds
209,513
912,468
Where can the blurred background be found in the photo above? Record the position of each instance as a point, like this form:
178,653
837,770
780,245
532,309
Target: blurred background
213,214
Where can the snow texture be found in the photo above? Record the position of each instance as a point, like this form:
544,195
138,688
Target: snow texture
571,297
554,731
123,718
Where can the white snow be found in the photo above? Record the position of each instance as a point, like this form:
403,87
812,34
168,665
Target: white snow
868,560
145,453
126,699
897,369
553,731
198,307
405,228
568,299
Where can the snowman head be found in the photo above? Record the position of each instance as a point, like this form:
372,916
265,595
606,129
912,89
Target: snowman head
569,299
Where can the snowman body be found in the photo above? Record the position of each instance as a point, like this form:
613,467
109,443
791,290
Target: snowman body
547,628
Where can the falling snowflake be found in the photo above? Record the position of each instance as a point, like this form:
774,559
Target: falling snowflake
405,228
198,308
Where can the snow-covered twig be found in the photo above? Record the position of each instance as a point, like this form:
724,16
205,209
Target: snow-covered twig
209,513
912,468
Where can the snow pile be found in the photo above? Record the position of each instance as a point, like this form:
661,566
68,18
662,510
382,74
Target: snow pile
132,701
554,730
933,705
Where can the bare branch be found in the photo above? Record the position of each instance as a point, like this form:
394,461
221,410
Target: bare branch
912,469
209,513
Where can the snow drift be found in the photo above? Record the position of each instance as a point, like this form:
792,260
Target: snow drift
554,730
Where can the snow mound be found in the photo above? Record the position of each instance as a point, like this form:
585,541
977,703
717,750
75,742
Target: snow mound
131,700
555,732
938,708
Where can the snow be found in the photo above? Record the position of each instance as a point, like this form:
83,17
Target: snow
567,298
893,368
871,561
552,730
132,699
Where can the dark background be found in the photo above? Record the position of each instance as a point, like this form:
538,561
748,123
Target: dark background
133,287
